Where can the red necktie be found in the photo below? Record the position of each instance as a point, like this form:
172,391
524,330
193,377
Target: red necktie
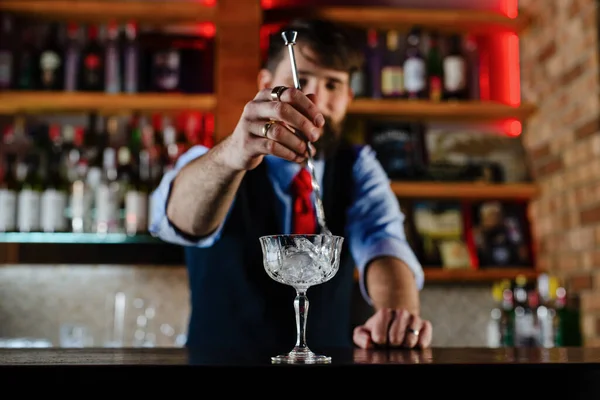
303,218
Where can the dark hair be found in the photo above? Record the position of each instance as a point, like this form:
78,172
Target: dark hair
336,46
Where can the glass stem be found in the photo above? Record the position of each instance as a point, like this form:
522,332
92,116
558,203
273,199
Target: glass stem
301,307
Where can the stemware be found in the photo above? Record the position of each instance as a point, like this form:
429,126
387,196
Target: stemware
301,261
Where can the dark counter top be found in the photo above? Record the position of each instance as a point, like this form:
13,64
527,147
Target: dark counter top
574,369
589,357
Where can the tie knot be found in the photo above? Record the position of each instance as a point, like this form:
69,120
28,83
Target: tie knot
302,184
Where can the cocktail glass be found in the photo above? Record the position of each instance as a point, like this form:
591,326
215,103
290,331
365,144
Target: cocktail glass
301,261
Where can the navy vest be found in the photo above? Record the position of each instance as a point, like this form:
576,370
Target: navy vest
233,300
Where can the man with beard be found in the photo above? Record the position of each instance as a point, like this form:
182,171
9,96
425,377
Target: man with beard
218,202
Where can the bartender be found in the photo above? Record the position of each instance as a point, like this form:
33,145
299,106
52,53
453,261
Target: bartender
217,202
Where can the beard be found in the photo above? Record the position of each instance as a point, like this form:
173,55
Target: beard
329,140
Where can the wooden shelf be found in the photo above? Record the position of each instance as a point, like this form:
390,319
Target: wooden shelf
472,275
474,21
465,190
89,11
441,275
465,111
47,102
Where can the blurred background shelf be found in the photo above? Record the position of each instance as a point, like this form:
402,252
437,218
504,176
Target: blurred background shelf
464,190
156,13
480,111
71,238
487,275
48,102
473,21
87,248
477,275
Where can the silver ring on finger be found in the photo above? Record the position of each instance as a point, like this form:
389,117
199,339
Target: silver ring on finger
266,127
276,92
413,331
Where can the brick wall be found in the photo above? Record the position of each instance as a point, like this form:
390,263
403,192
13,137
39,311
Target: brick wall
559,73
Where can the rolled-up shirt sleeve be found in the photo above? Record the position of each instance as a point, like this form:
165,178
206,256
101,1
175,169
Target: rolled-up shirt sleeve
160,226
375,221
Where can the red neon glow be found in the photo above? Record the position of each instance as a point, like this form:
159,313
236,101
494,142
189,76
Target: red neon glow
484,70
509,87
267,4
207,29
514,78
513,127
209,3
511,8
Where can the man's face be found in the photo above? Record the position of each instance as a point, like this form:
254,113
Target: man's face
331,88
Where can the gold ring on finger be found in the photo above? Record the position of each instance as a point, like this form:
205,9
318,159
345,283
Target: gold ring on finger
276,92
266,128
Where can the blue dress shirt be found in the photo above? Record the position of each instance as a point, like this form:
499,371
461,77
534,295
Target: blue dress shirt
375,223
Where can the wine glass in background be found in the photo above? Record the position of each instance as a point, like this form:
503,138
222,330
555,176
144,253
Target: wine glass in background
301,261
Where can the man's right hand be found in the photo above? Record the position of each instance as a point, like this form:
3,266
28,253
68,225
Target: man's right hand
247,146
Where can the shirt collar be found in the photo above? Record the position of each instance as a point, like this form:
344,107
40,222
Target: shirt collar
283,172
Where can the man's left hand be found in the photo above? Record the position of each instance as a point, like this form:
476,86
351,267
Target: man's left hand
393,328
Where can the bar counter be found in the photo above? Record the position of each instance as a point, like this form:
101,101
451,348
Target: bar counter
576,371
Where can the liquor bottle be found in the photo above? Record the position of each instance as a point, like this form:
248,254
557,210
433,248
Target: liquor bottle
51,62
455,71
358,81
131,55
72,57
494,328
91,69
112,59
166,72
471,53
28,200
435,69
415,71
392,80
8,195
136,197
81,199
508,317
7,50
26,70
107,195
53,201
373,62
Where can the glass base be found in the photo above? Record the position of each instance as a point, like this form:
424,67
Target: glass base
301,356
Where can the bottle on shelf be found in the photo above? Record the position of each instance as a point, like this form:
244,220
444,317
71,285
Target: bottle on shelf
72,57
53,200
91,69
8,48
25,73
112,59
8,194
415,70
392,78
51,61
455,71
435,69
136,196
30,191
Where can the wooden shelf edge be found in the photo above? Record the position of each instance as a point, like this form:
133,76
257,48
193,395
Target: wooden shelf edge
465,190
467,275
459,110
481,275
41,102
389,17
160,254
158,12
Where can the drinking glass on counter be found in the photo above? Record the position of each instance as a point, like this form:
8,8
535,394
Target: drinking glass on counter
301,261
